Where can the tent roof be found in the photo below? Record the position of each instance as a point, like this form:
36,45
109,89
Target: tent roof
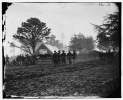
38,45
51,48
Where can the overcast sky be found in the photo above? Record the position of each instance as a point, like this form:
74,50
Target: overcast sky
62,18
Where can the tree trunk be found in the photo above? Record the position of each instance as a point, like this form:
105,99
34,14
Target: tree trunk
33,56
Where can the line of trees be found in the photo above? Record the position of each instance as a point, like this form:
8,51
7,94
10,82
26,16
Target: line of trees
33,31
108,36
80,42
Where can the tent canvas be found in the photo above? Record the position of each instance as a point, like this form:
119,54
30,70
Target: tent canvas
50,49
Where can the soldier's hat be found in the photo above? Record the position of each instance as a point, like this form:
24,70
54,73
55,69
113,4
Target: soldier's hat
63,51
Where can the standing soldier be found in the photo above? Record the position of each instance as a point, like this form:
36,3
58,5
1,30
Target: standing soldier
14,62
23,59
26,60
59,57
33,59
7,60
55,58
74,56
20,59
69,57
63,57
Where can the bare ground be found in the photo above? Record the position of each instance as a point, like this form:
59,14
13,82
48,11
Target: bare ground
93,78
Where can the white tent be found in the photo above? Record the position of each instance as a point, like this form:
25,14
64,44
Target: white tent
50,48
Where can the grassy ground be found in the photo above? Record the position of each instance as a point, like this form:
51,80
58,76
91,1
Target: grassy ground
87,78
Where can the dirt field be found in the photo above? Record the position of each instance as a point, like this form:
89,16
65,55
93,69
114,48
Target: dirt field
88,78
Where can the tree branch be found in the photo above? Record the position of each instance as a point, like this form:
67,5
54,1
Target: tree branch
13,45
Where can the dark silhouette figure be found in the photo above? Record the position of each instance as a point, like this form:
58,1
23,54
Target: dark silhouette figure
59,57
55,58
74,56
27,62
7,60
63,57
69,57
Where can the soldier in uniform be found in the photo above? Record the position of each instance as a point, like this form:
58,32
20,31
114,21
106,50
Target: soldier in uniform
7,60
22,58
69,57
59,57
63,57
33,59
55,58
26,60
74,56
14,62
18,60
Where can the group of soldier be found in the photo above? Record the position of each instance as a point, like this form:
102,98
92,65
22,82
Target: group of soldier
57,58
61,58
20,60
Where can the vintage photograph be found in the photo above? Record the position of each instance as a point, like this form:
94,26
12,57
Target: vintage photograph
61,49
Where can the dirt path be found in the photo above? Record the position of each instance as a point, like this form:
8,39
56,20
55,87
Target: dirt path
30,73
